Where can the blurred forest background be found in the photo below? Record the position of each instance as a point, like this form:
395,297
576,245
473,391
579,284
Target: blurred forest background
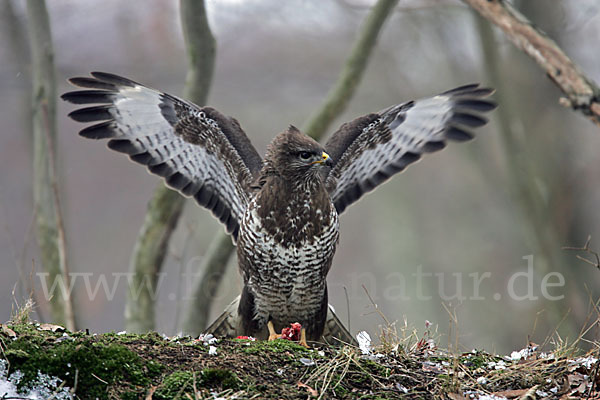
527,185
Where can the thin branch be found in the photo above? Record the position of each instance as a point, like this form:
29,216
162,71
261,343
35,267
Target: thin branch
61,239
50,234
215,262
166,205
405,7
339,96
201,49
581,92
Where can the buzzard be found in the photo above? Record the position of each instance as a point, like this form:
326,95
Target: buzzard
281,211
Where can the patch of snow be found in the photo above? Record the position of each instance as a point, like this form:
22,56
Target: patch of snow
307,361
401,388
44,387
364,342
208,339
496,365
587,362
523,353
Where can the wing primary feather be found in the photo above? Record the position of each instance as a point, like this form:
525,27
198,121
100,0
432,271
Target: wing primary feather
475,104
123,146
433,146
89,97
162,169
114,79
409,158
479,92
91,83
92,114
458,134
462,89
142,158
470,120
103,130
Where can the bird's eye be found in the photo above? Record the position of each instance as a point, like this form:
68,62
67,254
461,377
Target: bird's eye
305,155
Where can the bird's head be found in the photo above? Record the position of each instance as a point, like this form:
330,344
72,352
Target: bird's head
292,154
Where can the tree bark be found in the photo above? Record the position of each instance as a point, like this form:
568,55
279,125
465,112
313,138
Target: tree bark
50,232
166,205
213,267
582,94
221,248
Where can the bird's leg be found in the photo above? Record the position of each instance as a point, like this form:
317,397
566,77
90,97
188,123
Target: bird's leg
272,334
302,341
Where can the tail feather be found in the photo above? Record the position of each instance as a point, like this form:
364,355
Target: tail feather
228,323
335,332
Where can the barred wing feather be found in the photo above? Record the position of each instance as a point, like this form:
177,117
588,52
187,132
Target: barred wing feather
197,150
369,150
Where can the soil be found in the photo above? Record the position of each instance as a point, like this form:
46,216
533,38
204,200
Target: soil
127,366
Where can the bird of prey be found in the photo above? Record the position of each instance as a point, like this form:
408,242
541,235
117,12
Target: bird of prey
281,211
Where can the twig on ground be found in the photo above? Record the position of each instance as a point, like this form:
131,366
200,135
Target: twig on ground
586,248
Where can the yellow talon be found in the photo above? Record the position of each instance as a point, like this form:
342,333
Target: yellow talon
303,338
272,334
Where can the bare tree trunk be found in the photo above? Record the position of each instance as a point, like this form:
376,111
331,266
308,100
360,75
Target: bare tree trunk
50,232
12,29
15,32
166,205
213,268
338,98
534,210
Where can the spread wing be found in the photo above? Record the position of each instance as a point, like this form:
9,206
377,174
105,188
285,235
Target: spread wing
370,149
197,150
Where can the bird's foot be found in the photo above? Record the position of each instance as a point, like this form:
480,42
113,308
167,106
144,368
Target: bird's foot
288,333
302,341
272,334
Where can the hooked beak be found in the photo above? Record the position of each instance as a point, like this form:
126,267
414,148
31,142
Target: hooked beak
325,159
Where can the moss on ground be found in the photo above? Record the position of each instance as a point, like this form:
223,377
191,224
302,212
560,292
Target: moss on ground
176,386
96,365
125,366
274,346
181,384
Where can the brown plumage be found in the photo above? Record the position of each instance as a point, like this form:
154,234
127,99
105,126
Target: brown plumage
282,211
